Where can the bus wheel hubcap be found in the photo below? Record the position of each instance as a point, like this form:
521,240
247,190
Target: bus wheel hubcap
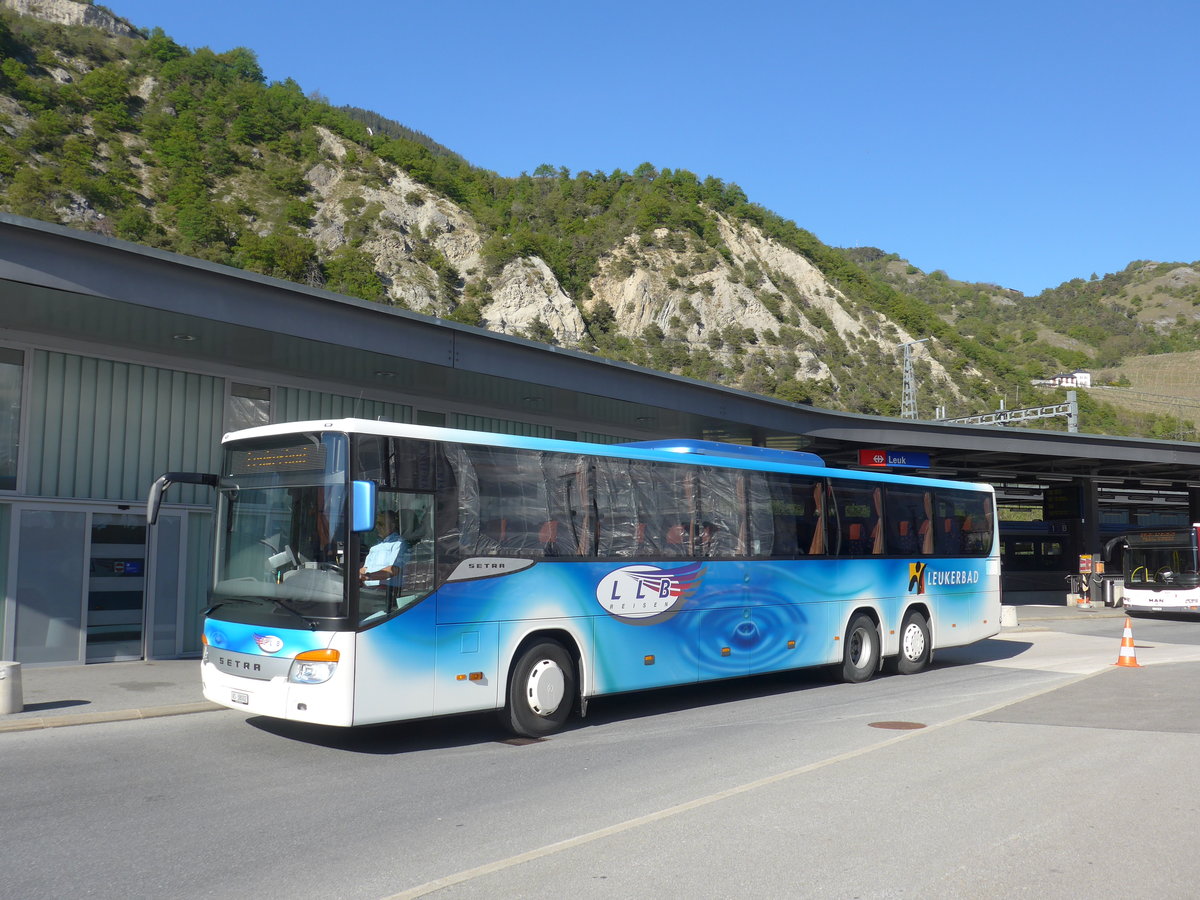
545,687
860,646
914,642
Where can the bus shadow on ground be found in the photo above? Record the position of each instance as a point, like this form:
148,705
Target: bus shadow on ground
390,738
476,729
484,728
681,698
986,651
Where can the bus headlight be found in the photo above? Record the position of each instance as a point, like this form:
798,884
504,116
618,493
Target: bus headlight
314,666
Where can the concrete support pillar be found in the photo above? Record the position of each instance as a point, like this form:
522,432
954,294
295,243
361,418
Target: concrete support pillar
1089,509
1088,534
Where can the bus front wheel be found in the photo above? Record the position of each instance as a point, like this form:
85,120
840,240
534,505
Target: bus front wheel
541,690
860,652
915,645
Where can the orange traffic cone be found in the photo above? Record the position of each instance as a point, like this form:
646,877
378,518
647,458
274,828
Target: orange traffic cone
1127,657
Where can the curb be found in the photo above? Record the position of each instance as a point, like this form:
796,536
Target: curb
116,715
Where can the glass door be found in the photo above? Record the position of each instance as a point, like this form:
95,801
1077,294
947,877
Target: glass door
116,591
165,588
48,585
84,586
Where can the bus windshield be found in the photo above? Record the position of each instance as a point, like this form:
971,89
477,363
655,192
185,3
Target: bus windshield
282,532
1162,560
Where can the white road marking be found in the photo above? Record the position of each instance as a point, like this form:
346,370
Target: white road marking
499,865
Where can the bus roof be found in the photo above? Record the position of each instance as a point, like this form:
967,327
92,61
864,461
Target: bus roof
682,451
732,451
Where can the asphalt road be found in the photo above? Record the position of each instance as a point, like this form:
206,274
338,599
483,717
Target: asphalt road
1040,769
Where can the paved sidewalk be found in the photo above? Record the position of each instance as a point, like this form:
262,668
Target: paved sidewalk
58,696
1031,615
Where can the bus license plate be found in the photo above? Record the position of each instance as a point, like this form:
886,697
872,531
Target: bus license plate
239,697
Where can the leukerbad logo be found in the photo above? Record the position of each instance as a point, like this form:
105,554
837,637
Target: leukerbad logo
916,577
644,594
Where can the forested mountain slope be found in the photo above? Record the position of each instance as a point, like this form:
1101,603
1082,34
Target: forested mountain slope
109,128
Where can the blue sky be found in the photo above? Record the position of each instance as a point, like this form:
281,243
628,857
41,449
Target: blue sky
1023,143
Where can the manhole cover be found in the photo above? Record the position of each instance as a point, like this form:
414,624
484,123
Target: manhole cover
522,741
898,726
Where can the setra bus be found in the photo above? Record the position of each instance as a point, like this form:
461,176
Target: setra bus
371,572
1161,570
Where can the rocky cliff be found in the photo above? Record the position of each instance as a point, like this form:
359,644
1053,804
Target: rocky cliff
760,299
71,12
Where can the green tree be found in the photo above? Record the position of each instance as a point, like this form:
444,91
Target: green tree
106,93
350,271
539,331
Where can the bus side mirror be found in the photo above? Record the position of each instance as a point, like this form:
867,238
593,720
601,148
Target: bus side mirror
154,499
362,501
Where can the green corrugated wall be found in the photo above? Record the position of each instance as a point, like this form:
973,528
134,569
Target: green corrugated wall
295,405
498,426
104,430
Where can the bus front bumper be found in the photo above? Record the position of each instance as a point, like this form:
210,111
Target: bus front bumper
1162,601
329,703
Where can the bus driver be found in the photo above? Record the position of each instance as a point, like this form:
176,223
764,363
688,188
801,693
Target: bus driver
384,564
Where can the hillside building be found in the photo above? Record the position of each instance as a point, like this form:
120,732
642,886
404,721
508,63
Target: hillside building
1078,378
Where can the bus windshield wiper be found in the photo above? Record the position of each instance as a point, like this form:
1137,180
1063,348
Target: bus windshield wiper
218,605
311,623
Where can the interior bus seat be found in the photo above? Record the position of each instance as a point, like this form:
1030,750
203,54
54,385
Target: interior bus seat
952,540
548,538
857,543
555,539
787,538
677,541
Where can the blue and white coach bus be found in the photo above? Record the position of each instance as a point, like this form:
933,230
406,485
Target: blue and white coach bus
529,575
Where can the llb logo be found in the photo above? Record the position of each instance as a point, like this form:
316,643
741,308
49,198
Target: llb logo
916,577
647,594
268,643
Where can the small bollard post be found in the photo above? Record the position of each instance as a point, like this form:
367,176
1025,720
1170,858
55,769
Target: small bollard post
10,688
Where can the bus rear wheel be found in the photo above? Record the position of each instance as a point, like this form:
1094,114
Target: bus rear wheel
915,645
860,652
541,691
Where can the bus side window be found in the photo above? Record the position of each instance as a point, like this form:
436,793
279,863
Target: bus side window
797,520
964,522
405,524
909,530
720,524
857,508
